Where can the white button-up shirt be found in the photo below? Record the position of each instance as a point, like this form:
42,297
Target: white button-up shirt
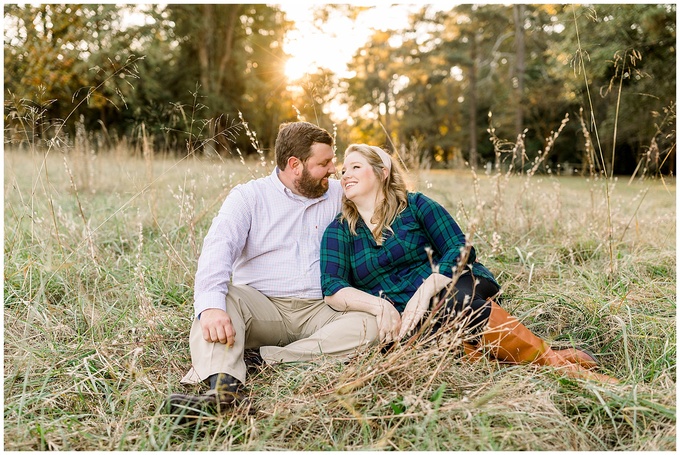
266,237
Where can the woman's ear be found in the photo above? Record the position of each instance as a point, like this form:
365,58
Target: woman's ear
386,173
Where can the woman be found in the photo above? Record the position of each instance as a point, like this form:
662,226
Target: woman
391,251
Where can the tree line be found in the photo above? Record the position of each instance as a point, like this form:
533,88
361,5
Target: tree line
473,84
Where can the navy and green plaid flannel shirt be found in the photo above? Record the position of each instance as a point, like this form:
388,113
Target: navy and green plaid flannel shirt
397,268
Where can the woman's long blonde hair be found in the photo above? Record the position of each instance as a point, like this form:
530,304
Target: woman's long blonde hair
394,191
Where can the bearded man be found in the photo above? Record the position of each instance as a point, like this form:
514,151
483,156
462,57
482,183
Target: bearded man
258,278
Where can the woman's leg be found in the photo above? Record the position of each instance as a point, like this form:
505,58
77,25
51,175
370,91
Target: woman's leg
505,337
470,299
511,341
469,302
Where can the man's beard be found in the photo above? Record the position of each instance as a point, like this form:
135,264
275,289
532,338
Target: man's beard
309,186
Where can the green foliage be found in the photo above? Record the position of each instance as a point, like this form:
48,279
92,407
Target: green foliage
439,85
179,70
626,53
204,62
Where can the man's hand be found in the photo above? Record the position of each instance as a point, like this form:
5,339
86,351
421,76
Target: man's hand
389,322
217,327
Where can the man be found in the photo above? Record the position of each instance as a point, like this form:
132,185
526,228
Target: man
266,240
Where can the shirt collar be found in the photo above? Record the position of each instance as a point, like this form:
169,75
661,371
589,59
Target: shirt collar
277,181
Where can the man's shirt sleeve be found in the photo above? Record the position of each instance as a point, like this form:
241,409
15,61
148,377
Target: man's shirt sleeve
223,244
335,258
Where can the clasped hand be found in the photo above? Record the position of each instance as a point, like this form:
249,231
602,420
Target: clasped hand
419,303
389,322
217,327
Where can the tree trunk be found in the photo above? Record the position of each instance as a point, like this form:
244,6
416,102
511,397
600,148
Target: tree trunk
520,67
472,96
518,79
228,38
205,46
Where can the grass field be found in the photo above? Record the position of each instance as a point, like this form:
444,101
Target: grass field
100,256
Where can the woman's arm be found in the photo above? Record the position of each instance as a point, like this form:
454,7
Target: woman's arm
337,287
445,236
352,299
387,316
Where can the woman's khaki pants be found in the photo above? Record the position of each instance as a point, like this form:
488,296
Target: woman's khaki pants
285,330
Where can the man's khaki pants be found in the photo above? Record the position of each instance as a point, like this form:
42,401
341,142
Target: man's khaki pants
285,330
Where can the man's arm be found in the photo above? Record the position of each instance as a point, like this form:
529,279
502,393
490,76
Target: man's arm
223,244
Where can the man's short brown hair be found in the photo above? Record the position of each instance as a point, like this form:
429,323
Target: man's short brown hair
296,139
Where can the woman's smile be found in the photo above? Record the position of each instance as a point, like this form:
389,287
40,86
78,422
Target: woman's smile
358,178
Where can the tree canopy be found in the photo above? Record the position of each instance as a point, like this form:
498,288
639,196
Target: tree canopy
211,76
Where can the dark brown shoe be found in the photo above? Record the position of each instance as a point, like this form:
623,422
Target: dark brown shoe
253,359
226,393
208,404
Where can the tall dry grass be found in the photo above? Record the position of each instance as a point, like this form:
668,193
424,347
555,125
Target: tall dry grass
100,253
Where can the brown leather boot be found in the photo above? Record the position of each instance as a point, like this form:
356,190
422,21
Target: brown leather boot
579,356
473,352
511,341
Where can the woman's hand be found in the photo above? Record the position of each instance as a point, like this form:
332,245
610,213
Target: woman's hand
389,322
415,309
419,303
387,317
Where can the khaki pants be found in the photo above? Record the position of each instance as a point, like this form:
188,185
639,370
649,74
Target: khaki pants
285,330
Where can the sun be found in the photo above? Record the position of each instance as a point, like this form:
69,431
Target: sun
333,45
307,49
298,66
311,48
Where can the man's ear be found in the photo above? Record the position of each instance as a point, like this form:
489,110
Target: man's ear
294,164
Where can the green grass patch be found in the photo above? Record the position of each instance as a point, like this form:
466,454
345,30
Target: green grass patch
98,305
